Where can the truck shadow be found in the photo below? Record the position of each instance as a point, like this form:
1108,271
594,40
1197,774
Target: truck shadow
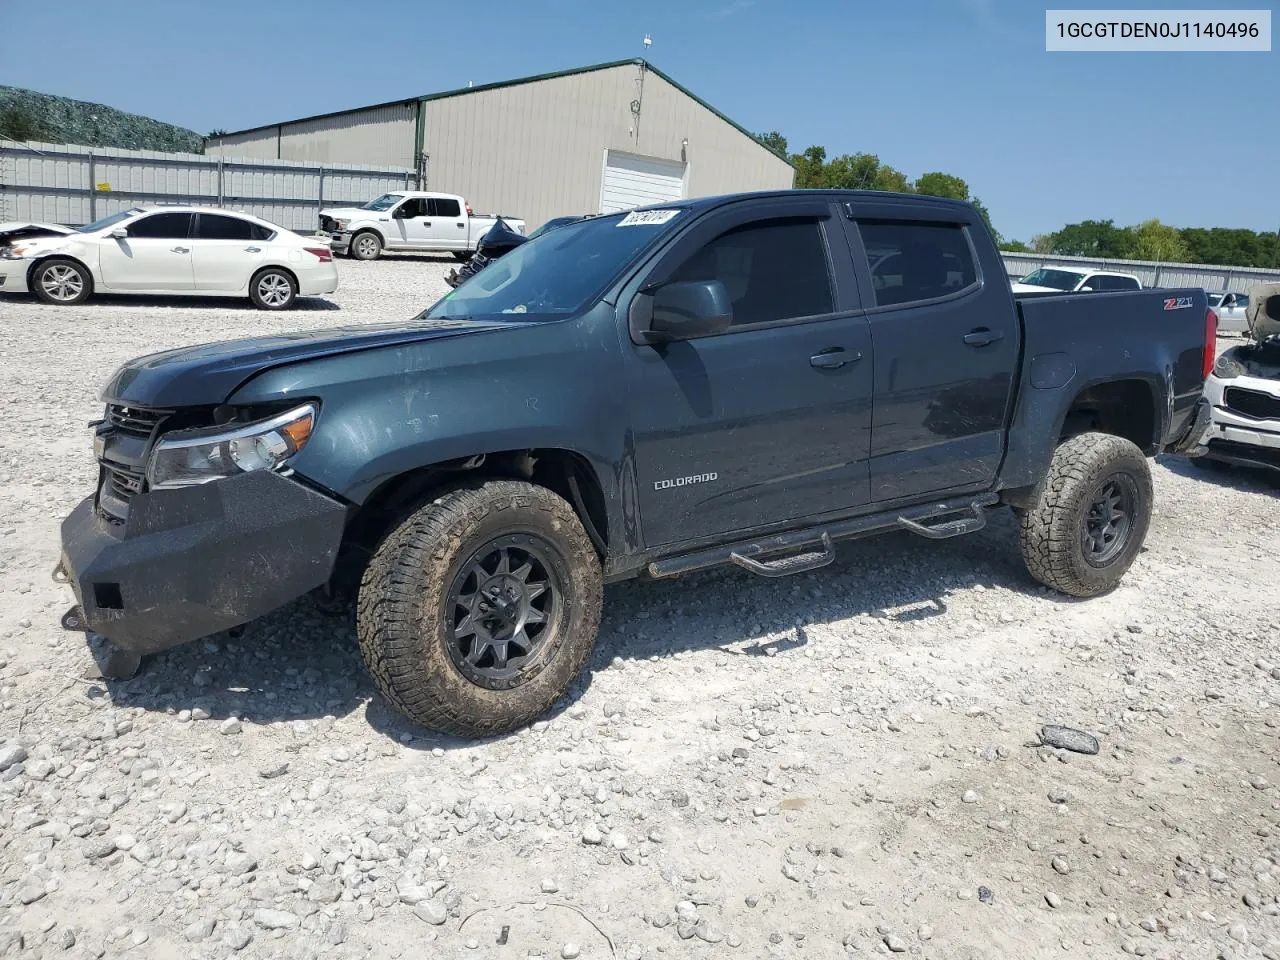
302,664
1231,476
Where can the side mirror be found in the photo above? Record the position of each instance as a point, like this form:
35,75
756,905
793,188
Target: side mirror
682,311
119,233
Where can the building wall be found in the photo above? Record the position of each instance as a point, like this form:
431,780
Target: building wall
536,150
378,136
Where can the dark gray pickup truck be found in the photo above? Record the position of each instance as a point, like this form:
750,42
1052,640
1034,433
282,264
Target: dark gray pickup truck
734,380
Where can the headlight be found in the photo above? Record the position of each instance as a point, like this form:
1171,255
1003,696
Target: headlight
198,456
341,225
13,253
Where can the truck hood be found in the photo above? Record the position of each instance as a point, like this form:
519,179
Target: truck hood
351,213
209,373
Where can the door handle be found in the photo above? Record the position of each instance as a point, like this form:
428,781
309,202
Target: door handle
833,358
180,250
462,226
252,249
982,336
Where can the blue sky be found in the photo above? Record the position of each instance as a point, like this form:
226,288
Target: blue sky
963,86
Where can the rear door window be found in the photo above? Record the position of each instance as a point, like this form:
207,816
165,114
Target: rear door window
912,262
443,207
212,226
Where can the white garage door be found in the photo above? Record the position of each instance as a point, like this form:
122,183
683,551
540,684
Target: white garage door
632,181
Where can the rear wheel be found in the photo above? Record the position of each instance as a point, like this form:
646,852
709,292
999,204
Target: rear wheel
1090,517
366,246
273,289
477,613
62,281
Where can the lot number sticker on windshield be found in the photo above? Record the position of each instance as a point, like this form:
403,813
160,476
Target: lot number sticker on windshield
645,218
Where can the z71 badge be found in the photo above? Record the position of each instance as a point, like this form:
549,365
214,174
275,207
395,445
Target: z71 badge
1177,303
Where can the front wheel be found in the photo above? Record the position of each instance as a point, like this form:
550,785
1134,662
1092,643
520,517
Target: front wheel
273,289
477,613
1090,516
62,281
366,246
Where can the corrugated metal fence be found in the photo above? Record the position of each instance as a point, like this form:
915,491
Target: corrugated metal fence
1209,276
75,185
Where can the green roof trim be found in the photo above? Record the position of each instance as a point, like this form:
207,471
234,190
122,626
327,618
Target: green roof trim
500,84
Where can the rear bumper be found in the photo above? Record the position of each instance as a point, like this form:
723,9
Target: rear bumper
192,562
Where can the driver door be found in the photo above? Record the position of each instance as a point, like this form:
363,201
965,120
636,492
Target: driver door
155,254
412,226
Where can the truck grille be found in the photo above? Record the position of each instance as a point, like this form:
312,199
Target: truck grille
1252,403
328,224
138,421
115,490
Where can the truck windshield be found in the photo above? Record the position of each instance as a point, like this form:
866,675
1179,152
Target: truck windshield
384,202
1057,279
560,272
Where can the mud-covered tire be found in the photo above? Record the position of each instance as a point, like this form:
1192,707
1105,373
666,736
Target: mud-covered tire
365,245
407,610
1064,530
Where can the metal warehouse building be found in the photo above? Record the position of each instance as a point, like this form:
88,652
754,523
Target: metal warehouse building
595,139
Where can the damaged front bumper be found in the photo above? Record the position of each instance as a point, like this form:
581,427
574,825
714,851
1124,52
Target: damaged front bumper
1244,421
197,560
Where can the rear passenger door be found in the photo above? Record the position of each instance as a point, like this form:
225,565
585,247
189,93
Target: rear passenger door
226,250
447,227
946,341
770,420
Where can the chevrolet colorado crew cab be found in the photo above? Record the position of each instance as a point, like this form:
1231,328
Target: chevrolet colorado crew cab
408,220
716,381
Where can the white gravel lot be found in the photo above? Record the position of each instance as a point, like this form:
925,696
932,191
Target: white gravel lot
841,763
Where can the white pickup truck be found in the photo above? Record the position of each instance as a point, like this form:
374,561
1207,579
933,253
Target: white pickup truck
1074,280
408,220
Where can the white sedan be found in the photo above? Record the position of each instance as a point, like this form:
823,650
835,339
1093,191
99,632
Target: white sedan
170,250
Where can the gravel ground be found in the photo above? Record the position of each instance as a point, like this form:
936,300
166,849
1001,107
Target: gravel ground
840,763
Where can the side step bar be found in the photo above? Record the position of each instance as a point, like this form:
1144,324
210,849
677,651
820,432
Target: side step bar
817,541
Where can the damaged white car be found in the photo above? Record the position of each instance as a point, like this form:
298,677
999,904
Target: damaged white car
1243,392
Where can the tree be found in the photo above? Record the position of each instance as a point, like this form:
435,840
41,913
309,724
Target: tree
1093,238
1153,240
942,185
1042,243
1015,246
864,171
986,217
811,168
773,140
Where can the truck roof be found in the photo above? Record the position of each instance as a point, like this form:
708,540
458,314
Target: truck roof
866,195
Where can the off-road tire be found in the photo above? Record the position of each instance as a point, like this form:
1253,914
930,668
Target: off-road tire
1054,525
365,245
403,624
76,289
